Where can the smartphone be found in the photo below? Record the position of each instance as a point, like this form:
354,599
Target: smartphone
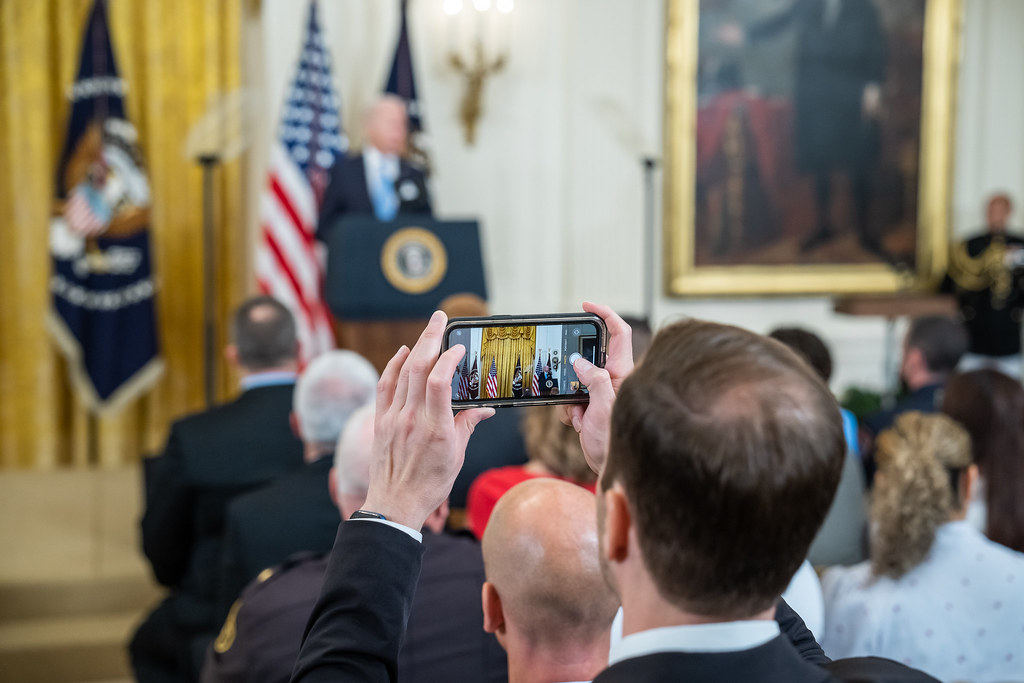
523,360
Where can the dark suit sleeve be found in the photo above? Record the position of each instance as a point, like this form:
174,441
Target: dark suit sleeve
167,522
356,628
794,628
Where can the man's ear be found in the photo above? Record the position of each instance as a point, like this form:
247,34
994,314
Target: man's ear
231,354
617,523
968,485
332,488
494,616
913,360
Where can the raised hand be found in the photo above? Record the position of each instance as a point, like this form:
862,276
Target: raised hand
419,445
593,421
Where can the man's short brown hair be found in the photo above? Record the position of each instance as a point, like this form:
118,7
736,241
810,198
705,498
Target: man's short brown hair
729,449
264,333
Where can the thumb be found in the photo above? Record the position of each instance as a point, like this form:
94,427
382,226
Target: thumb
597,380
467,420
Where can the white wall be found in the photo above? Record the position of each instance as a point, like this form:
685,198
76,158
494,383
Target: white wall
555,175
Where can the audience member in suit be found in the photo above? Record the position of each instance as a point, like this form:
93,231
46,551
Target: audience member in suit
718,466
554,451
444,640
210,457
294,513
932,349
545,597
990,406
936,593
841,538
378,182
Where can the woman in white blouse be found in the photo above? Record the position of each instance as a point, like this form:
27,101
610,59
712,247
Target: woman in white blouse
935,593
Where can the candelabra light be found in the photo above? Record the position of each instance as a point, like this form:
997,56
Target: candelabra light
484,29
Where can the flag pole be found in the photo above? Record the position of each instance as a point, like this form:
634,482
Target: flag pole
209,162
649,166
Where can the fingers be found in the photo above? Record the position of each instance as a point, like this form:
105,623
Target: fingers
467,420
565,414
597,380
389,380
620,339
575,417
413,378
438,399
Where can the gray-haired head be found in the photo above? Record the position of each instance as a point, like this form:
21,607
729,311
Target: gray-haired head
328,392
352,460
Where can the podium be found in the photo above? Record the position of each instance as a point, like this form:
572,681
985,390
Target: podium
384,279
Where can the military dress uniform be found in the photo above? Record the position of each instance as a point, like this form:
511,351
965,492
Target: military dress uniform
989,288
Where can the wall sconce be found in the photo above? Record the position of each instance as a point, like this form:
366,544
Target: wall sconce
481,27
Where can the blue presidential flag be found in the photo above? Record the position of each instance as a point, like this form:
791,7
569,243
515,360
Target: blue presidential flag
402,83
102,283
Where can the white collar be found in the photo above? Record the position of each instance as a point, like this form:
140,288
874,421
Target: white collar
377,161
731,636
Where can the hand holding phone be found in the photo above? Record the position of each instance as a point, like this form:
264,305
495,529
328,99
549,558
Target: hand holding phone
593,421
524,360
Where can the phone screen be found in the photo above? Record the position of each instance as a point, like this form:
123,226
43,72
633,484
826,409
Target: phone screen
517,362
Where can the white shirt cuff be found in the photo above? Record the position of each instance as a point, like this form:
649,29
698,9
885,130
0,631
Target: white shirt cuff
401,527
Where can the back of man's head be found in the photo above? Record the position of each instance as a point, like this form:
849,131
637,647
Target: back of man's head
352,460
541,557
941,340
728,448
808,346
330,389
264,334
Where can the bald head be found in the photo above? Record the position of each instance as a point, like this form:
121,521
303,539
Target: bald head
541,555
387,125
352,461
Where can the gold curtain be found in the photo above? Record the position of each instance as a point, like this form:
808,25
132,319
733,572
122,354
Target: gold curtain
174,57
506,345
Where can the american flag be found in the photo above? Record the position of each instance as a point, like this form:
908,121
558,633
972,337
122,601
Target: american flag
80,214
492,380
288,264
535,384
463,392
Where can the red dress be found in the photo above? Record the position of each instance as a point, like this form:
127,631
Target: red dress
492,485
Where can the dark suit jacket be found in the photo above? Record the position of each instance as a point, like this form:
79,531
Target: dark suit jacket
774,662
211,457
445,640
265,527
355,631
347,193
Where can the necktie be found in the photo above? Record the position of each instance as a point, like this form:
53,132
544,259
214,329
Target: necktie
385,200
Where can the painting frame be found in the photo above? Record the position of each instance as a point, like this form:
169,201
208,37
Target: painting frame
683,277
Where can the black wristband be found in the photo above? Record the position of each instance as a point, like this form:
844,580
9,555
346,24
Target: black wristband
366,514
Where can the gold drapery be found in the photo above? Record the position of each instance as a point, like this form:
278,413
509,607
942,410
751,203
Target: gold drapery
506,345
174,56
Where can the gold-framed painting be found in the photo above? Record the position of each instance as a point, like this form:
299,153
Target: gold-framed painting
808,145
